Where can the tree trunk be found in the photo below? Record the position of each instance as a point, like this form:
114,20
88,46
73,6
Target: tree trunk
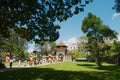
119,59
98,60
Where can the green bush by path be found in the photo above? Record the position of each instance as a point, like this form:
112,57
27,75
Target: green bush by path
65,71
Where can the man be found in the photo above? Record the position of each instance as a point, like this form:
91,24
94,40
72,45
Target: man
11,62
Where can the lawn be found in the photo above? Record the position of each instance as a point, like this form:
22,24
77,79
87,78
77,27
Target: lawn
65,71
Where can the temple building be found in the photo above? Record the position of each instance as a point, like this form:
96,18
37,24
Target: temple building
61,52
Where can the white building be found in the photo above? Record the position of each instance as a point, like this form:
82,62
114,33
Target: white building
73,46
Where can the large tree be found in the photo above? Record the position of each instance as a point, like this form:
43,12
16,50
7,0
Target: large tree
96,32
13,44
78,54
36,18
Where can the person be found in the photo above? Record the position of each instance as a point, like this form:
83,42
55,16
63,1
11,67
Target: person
11,62
25,63
1,64
19,62
30,60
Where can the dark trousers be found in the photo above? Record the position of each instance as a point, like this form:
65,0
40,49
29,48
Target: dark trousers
10,64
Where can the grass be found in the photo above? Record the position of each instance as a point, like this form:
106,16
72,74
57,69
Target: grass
65,71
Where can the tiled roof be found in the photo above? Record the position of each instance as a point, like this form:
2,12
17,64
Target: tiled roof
60,49
61,44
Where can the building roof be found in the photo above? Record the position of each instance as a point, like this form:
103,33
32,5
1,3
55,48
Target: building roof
60,49
61,44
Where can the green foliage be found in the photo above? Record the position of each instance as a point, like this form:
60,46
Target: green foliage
117,6
22,54
116,51
92,23
14,44
37,17
116,47
96,32
45,46
78,54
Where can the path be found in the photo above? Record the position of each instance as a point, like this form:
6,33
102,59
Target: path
20,67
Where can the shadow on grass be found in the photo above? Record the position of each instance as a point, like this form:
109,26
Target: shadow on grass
104,67
51,74
111,68
86,65
46,74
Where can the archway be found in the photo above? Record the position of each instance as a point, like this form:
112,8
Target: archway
60,57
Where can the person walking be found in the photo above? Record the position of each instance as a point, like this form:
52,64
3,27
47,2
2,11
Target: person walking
11,62
19,62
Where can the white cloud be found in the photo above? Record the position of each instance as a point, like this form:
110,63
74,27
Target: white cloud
115,15
71,41
119,38
75,40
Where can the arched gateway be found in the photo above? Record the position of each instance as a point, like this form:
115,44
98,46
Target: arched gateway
61,53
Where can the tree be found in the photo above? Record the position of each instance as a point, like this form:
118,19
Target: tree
116,50
82,43
117,6
45,46
78,54
14,44
96,32
33,19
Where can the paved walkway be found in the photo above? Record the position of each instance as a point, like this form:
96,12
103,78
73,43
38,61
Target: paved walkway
22,66
9,69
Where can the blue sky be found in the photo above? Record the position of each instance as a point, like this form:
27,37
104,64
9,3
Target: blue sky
101,8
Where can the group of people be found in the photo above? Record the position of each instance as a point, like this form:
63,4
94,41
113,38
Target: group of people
33,60
43,60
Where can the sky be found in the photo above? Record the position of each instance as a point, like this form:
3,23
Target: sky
71,29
